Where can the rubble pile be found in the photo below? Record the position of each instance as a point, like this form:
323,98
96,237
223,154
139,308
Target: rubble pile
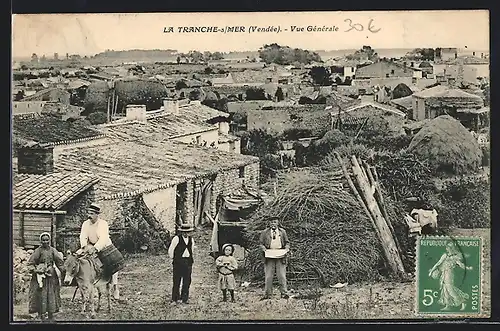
21,276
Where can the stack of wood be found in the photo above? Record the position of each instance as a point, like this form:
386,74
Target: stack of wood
366,189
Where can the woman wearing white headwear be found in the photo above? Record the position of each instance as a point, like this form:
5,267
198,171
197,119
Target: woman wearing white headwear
44,291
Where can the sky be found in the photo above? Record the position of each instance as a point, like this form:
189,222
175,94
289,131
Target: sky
88,34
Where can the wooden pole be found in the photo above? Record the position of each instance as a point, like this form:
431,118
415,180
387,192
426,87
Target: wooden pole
356,193
380,200
388,244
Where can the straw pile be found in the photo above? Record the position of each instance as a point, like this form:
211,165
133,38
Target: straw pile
448,146
329,233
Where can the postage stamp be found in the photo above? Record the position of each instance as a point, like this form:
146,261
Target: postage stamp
449,276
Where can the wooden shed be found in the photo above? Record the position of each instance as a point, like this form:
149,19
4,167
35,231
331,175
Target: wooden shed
44,202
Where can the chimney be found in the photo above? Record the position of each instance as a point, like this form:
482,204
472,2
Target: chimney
224,127
136,112
171,105
35,160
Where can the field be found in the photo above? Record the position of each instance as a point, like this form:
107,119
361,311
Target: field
146,285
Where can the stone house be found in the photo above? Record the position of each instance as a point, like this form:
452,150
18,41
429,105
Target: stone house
183,121
52,131
441,100
176,181
47,201
27,107
51,94
384,69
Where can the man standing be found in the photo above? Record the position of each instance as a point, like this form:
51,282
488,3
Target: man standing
94,237
274,237
181,253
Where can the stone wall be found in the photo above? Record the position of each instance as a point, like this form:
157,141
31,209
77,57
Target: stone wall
229,181
162,205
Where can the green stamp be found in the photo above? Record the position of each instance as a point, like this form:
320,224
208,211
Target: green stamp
449,276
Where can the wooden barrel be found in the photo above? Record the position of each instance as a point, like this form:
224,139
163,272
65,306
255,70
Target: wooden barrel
111,259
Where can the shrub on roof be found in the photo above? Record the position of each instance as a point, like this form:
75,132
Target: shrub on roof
97,118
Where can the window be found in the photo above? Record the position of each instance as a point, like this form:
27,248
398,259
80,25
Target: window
386,75
198,140
241,172
392,71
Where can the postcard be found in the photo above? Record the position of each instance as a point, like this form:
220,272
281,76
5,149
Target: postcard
251,166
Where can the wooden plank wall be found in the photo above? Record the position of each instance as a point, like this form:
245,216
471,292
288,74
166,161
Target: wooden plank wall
27,228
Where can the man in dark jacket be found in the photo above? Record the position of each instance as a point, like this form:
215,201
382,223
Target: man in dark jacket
181,252
274,237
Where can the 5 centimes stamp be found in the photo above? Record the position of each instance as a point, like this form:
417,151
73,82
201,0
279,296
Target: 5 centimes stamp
449,276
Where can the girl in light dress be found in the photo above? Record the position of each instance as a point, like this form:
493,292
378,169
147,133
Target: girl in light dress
226,264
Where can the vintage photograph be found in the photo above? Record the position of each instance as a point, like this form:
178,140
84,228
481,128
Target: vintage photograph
250,166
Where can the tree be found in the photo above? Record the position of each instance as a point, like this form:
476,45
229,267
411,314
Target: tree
364,53
321,76
338,80
34,57
400,91
178,59
486,92
424,54
259,143
97,118
284,55
255,93
217,56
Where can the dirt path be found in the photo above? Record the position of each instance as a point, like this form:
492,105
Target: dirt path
147,280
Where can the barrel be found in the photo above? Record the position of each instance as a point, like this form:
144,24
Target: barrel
111,259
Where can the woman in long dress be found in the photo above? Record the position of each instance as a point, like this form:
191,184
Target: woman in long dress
450,295
44,291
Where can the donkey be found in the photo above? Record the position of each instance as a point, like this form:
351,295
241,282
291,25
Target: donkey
88,272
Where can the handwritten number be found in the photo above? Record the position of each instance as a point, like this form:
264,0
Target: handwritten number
370,27
357,26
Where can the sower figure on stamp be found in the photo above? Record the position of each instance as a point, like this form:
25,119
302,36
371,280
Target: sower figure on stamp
181,253
94,238
450,295
274,237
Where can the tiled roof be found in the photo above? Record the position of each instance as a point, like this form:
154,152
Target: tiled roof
442,91
405,102
48,129
50,191
128,168
166,126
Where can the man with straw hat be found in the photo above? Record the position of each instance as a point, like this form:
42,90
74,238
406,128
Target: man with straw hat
181,253
94,237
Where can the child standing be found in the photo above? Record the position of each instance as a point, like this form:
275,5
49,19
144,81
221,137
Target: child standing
226,264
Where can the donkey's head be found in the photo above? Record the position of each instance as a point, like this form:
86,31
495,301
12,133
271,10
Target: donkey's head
71,266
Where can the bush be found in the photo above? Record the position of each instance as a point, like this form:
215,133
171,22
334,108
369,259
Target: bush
97,118
463,204
296,134
143,231
255,94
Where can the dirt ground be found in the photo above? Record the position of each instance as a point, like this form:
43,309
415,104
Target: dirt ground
146,286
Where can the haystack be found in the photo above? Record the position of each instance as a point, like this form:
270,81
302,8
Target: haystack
330,235
448,147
